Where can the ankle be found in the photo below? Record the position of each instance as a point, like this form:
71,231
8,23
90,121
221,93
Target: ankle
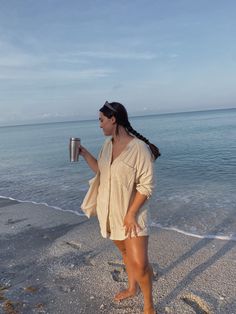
134,288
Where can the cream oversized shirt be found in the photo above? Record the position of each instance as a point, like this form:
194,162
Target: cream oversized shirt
130,172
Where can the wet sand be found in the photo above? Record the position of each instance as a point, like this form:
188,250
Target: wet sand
56,262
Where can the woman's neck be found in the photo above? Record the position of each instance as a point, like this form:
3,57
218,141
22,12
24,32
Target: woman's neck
121,136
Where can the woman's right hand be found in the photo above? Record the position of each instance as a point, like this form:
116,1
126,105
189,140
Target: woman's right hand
82,151
131,225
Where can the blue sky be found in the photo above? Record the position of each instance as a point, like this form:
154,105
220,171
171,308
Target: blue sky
61,60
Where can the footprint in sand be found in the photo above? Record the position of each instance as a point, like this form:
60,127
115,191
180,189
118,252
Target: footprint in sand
82,259
87,258
118,272
117,264
12,222
120,268
155,276
118,275
4,284
74,245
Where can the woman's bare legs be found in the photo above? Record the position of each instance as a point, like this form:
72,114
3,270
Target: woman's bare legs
132,283
137,256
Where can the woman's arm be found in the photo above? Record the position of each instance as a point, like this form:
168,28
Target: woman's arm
144,189
89,158
130,221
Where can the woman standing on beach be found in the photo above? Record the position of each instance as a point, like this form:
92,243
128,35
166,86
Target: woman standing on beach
125,168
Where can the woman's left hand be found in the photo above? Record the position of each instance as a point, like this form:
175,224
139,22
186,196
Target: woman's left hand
131,225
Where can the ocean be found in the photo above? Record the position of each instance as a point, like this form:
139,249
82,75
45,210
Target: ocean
195,177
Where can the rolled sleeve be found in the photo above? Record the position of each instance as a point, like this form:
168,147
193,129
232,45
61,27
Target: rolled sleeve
144,183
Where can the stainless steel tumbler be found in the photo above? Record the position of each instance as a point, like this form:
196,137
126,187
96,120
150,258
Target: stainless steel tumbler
74,149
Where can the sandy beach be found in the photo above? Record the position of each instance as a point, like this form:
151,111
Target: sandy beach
55,262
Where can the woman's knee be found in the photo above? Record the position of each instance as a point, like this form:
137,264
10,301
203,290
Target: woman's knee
140,267
137,254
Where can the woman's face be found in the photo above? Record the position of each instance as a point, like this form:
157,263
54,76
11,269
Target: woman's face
107,125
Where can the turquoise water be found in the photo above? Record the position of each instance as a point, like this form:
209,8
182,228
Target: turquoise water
195,176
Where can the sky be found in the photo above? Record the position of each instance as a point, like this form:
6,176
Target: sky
62,59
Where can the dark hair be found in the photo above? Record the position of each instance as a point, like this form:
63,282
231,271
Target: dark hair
117,110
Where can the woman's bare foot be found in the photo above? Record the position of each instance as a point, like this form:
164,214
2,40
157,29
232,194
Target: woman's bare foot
124,294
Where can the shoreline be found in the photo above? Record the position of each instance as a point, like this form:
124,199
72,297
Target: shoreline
154,225
55,261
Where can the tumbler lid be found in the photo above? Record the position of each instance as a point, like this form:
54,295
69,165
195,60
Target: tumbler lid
75,139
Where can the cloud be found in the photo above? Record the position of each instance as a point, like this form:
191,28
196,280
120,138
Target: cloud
48,115
18,60
56,75
173,55
117,55
18,65
13,57
117,86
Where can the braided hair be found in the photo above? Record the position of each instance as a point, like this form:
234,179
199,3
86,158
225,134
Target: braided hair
117,110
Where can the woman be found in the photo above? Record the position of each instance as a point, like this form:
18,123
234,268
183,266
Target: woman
125,167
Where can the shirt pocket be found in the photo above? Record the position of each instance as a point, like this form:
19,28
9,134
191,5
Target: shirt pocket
125,175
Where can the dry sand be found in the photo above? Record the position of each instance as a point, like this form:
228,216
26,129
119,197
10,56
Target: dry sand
56,262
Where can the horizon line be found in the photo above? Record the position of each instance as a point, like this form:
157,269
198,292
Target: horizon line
130,116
